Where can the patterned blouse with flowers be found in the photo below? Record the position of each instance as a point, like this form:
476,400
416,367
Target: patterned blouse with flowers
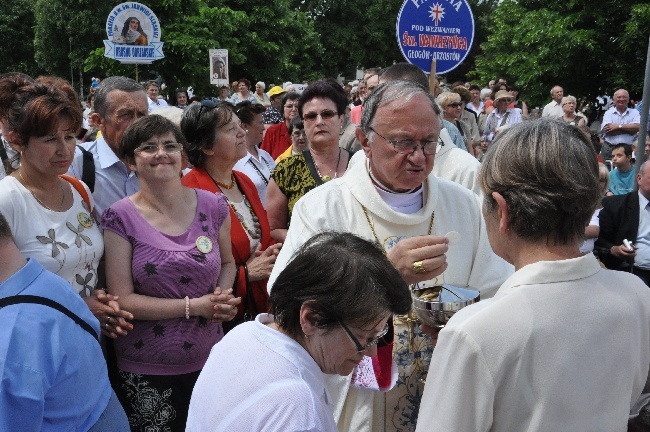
170,266
67,243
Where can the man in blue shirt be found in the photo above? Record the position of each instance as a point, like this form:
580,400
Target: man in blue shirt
119,101
53,373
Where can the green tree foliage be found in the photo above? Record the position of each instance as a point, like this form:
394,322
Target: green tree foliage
17,30
482,12
588,48
354,33
65,32
267,42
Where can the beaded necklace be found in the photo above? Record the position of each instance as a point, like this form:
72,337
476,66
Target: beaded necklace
254,233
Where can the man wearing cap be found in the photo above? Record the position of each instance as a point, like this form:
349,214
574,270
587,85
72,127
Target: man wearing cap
152,93
620,124
273,113
554,108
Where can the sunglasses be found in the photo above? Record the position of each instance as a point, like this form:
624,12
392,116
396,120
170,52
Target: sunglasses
325,115
209,103
357,344
455,105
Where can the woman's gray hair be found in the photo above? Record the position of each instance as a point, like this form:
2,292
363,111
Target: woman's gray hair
402,90
569,98
447,98
260,83
547,172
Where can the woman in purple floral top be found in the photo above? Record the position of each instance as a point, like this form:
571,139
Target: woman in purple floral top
168,255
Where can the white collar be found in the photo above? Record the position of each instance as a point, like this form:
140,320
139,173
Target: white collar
357,181
107,156
292,351
544,272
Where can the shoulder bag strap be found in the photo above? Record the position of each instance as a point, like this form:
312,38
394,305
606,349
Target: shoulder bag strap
312,167
17,299
78,187
88,169
350,154
505,118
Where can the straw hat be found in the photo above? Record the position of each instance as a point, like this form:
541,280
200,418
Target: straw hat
502,94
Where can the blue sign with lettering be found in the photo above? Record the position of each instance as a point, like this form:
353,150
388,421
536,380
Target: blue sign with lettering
133,32
440,29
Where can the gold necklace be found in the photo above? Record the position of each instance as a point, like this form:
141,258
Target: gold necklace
327,178
374,233
20,174
225,186
409,319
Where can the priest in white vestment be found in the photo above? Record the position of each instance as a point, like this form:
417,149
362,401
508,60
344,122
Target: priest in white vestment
394,199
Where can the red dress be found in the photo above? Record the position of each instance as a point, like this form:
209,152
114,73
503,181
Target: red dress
276,140
241,249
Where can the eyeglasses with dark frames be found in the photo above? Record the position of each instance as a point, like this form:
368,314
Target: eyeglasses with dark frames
357,344
409,146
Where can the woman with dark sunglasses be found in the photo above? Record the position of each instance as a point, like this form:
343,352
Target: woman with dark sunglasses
216,141
452,110
322,108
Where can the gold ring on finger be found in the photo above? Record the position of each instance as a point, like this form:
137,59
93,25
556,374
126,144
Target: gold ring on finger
418,267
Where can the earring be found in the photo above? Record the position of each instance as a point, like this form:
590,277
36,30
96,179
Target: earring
246,130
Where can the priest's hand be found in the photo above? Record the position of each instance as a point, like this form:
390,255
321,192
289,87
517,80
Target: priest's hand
420,258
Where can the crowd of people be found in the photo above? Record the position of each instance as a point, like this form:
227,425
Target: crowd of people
246,262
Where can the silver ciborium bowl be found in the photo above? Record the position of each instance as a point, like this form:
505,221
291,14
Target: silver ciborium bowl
434,306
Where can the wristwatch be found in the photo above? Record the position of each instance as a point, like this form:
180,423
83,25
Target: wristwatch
620,126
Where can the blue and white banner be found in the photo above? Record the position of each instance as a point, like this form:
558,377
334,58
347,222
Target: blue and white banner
435,29
133,32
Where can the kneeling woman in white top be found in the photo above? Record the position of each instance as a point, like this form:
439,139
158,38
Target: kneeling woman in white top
324,318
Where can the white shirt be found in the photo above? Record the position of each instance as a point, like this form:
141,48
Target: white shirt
259,171
478,109
630,116
588,244
67,243
642,258
563,346
154,105
553,110
258,379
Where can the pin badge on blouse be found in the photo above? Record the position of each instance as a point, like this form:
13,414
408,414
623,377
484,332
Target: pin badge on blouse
204,244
